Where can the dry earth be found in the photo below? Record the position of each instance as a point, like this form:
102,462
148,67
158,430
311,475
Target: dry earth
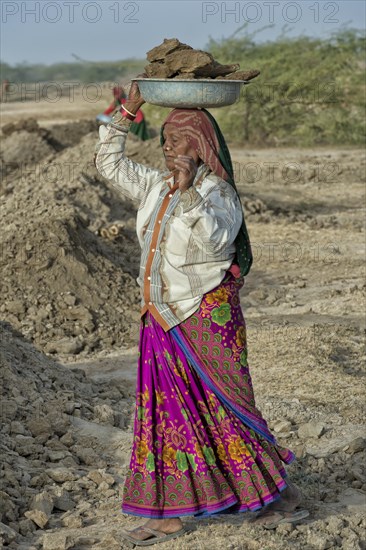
70,309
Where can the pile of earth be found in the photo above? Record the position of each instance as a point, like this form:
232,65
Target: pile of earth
64,442
25,142
64,285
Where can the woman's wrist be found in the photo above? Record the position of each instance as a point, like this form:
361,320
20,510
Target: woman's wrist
132,106
127,114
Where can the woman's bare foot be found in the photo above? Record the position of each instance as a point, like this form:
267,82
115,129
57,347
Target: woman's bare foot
166,526
289,501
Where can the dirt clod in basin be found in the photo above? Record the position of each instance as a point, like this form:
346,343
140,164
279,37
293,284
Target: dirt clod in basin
173,59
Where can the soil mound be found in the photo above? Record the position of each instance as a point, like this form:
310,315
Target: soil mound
66,278
26,147
48,463
71,133
26,143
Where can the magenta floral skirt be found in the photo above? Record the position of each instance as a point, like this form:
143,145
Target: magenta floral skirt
200,444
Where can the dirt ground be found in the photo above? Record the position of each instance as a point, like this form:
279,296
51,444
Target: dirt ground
70,309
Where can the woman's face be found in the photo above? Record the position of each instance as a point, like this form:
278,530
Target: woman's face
176,144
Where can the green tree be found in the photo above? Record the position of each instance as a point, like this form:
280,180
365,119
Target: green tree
323,102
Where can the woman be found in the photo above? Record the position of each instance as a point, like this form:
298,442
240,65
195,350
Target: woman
200,444
138,127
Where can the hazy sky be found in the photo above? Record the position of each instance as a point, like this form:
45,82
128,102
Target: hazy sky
50,31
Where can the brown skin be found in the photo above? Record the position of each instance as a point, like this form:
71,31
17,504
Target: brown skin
135,99
181,159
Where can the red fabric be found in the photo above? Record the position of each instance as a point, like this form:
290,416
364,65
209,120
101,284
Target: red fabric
110,109
200,134
235,270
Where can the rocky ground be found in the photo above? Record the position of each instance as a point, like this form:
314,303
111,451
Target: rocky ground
70,309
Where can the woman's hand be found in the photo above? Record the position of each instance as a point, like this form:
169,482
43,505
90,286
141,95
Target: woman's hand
186,171
135,99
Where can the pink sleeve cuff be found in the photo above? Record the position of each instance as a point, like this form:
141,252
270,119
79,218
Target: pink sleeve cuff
235,270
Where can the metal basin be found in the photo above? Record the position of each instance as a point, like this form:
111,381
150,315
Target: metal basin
189,93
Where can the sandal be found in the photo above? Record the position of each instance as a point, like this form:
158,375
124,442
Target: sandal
285,517
155,536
